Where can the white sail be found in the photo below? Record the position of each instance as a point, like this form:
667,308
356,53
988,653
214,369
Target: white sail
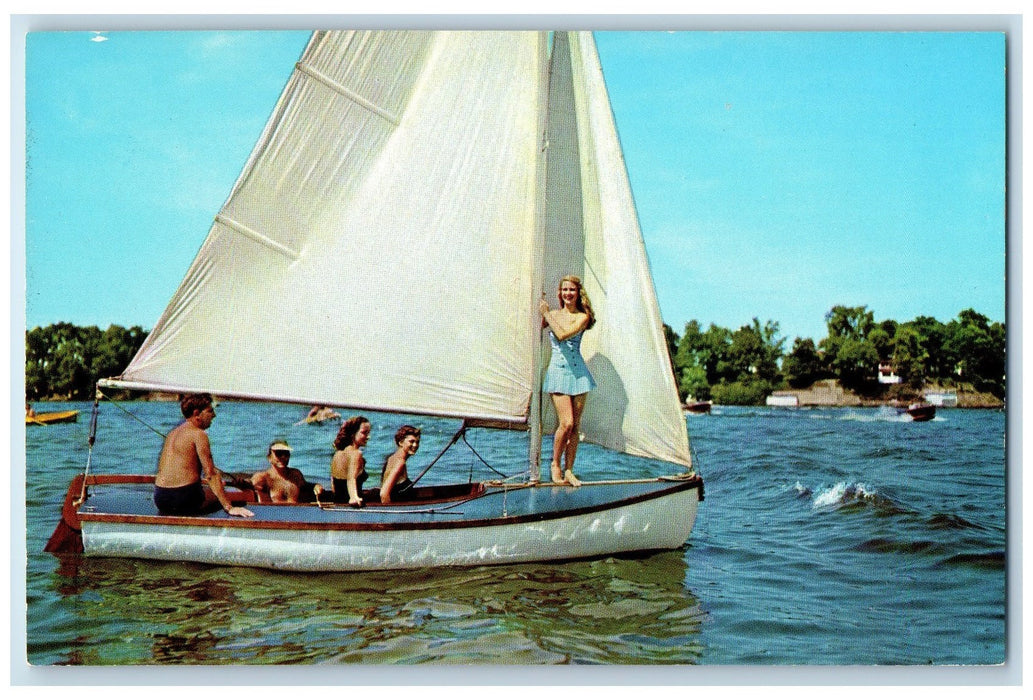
388,241
635,408
377,250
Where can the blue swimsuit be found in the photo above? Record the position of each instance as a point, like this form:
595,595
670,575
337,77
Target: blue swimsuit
567,374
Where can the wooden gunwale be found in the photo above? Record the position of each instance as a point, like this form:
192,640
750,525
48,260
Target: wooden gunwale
224,521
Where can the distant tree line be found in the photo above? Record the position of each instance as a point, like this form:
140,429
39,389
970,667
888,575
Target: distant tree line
744,366
63,361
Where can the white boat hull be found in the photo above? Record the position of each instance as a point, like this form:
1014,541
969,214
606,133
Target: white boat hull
660,523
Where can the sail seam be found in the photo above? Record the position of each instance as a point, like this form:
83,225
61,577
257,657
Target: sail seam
257,237
345,92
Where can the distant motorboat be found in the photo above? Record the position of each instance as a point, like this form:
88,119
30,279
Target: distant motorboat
53,417
697,407
920,412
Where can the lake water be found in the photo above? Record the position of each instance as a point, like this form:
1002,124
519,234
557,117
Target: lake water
827,537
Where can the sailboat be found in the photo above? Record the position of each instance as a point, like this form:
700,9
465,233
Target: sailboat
442,183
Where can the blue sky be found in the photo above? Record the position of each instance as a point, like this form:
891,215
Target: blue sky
776,174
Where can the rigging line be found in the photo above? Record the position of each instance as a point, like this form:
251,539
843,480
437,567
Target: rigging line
433,509
130,414
347,93
455,438
89,455
482,458
381,511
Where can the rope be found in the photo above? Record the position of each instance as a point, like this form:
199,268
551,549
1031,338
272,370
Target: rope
140,420
435,460
460,434
483,461
93,436
92,439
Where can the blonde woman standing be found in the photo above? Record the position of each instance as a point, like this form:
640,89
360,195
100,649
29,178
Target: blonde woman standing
567,380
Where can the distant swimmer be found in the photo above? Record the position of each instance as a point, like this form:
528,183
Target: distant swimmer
320,413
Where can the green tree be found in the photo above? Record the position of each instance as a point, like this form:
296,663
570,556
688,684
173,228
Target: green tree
848,352
854,322
65,361
856,362
706,350
754,353
672,349
748,393
803,365
978,349
910,357
694,383
939,365
883,342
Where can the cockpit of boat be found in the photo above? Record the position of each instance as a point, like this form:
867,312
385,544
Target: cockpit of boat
241,492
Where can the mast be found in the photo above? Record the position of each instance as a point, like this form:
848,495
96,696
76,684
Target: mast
534,418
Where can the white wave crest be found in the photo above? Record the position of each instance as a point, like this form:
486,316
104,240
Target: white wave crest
842,493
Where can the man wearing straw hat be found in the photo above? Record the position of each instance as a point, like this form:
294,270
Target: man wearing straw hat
281,483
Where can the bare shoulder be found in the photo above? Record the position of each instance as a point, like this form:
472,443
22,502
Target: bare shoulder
576,321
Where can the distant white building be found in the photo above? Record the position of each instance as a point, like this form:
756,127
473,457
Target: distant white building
783,399
948,399
887,375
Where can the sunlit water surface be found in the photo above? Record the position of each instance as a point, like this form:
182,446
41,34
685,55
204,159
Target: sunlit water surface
828,536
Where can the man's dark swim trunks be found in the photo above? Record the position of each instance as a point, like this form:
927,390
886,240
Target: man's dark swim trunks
179,500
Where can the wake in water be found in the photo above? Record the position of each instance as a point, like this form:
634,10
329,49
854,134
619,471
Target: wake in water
844,494
882,414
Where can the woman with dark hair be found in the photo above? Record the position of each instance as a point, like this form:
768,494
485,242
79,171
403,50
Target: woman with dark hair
348,467
395,478
567,380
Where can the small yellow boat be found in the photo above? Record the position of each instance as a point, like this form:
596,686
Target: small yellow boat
54,417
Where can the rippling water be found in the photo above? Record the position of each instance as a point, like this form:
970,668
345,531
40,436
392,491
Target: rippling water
827,537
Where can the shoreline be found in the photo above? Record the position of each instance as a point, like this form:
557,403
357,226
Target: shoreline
829,393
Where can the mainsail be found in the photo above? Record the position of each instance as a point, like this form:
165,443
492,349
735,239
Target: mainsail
386,245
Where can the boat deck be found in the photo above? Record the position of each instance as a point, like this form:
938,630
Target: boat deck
466,505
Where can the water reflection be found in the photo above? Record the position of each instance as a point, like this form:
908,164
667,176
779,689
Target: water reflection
610,611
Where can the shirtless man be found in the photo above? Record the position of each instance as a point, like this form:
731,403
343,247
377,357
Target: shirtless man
184,456
281,483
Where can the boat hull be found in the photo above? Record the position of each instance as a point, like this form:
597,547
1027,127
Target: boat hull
921,412
494,525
